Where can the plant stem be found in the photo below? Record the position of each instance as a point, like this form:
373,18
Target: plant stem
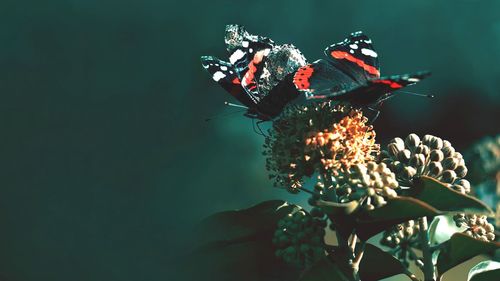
357,260
352,243
429,274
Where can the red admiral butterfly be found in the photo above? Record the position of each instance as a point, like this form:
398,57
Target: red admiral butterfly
255,69
266,77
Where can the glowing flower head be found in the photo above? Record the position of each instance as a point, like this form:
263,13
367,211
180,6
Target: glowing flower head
317,138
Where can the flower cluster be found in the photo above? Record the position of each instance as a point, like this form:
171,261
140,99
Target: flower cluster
402,235
312,138
299,237
349,142
370,184
477,226
431,156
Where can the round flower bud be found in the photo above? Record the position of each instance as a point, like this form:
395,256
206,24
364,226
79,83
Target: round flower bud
435,169
400,144
461,171
448,150
450,163
412,141
404,155
436,155
423,149
448,176
417,160
436,143
464,184
409,172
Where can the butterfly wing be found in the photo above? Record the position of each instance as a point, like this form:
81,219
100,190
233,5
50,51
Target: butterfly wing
321,75
356,57
374,90
226,76
247,53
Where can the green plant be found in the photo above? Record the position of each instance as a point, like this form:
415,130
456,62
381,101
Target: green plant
412,192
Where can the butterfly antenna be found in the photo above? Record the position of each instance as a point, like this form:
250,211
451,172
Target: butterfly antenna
235,105
417,94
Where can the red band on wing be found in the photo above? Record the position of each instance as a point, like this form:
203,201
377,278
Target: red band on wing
236,81
368,68
391,84
248,79
301,77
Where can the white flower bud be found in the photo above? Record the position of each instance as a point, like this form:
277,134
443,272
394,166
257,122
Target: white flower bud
461,171
400,144
393,150
435,169
409,172
436,143
436,155
448,151
417,160
450,163
422,149
412,141
448,176
404,156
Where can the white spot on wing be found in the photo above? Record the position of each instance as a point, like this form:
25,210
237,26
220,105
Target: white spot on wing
353,46
218,76
413,79
244,44
224,68
351,51
238,54
369,52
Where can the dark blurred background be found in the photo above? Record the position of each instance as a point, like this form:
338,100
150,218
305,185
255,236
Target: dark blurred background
106,162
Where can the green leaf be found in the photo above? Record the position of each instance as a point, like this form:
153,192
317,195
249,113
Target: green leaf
485,271
341,215
397,210
377,264
237,245
324,270
443,198
243,224
442,228
460,248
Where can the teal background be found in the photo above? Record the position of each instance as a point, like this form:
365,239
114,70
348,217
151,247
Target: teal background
106,162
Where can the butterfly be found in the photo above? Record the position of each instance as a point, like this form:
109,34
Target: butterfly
256,66
350,73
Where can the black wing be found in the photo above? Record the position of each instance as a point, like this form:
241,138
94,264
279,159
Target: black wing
356,57
225,75
247,53
375,90
321,75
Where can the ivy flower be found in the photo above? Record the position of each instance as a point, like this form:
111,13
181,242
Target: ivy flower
431,156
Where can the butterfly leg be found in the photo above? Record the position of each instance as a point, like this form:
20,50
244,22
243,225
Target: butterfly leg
256,127
377,113
260,129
